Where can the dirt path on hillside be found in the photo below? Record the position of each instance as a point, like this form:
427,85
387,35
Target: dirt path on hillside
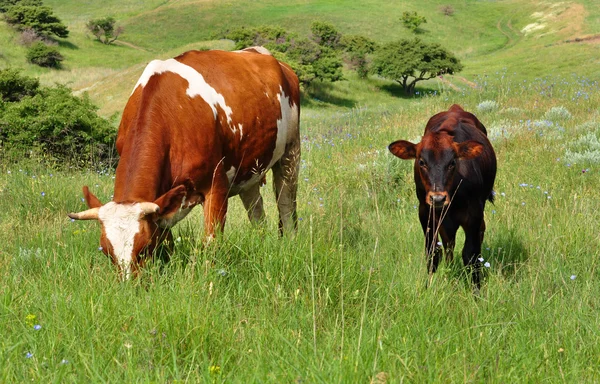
126,44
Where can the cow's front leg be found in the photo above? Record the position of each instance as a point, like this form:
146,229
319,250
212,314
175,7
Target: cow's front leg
215,205
429,223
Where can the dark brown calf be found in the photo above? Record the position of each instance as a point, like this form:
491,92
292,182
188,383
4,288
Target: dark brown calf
455,168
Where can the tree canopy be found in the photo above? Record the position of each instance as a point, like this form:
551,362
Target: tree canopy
409,61
40,19
104,29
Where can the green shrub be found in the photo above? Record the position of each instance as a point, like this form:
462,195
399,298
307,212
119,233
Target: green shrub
56,124
40,19
6,4
309,60
412,21
14,86
44,55
325,34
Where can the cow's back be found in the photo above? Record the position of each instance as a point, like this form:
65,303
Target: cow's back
205,109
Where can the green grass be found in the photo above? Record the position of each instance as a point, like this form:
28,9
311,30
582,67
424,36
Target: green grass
345,300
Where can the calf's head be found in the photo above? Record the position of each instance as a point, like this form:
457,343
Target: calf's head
130,230
437,159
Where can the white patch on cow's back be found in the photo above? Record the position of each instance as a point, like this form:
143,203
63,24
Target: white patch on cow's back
286,125
197,86
121,223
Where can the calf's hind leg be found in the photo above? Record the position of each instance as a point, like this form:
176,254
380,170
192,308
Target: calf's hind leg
472,250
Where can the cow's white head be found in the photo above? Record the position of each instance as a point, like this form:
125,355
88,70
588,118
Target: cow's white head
130,230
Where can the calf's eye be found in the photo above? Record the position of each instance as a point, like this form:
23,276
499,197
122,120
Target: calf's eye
452,164
421,163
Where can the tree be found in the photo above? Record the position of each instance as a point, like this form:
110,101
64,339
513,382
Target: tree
104,29
40,19
412,20
6,4
409,61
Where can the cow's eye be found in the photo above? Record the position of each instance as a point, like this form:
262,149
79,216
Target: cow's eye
422,163
452,164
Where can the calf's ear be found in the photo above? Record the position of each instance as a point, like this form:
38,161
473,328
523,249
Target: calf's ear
468,149
403,149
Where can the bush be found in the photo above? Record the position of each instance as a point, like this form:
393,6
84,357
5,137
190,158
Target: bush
447,10
412,20
44,56
309,60
28,37
559,113
14,87
57,124
40,19
325,34
487,106
104,29
6,4
357,48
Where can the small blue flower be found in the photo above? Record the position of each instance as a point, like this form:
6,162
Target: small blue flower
100,248
29,355
480,259
64,361
487,264
222,272
72,220
37,327
573,277
43,194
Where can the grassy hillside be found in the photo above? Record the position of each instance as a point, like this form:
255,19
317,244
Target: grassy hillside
488,36
345,300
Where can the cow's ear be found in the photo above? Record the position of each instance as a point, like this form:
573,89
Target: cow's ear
468,149
91,200
403,149
170,202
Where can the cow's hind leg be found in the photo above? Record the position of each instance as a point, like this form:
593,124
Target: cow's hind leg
285,183
253,203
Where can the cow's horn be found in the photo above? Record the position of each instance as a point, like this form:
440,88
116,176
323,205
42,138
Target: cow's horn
148,208
90,214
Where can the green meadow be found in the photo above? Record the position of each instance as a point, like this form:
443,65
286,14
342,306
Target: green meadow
344,301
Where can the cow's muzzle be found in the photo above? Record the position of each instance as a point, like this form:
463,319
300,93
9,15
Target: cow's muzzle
438,199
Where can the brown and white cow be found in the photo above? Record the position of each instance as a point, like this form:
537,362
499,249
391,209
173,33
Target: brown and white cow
455,168
198,129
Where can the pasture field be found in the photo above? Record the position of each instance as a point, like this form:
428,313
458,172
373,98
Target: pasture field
345,300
